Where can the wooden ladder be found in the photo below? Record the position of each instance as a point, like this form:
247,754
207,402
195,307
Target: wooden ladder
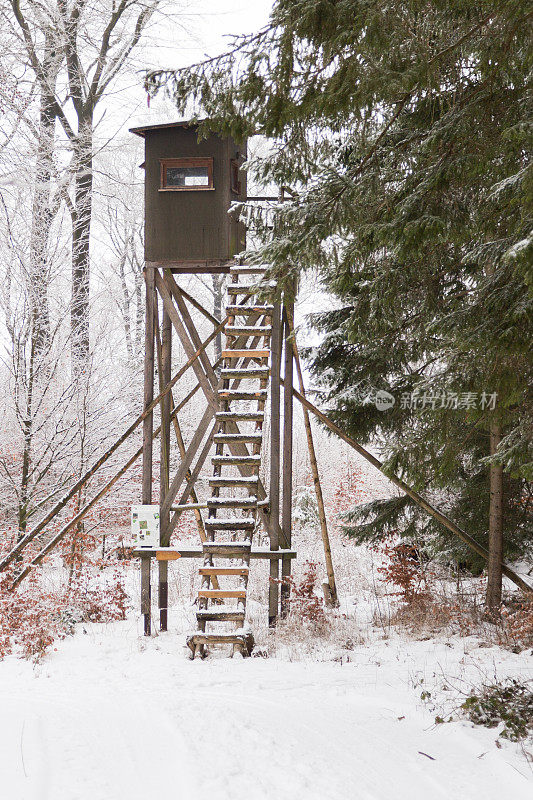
232,507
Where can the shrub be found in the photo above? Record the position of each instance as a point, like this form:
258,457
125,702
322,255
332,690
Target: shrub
306,604
510,703
403,570
31,619
517,621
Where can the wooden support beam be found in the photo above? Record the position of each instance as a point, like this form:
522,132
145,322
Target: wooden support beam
146,599
148,428
164,359
19,547
194,336
192,300
148,422
186,463
286,514
165,362
417,498
199,552
330,591
194,475
275,346
188,347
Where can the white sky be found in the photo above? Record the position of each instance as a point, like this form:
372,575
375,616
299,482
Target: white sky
185,32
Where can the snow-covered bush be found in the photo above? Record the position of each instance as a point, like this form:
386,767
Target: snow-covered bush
510,703
305,508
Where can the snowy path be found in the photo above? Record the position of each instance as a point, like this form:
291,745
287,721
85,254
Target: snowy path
112,717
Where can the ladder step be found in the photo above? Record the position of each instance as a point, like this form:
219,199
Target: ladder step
245,311
218,638
244,483
223,438
245,353
220,593
237,460
244,372
188,507
227,549
236,394
248,330
242,288
242,416
242,571
230,524
232,502
220,616
238,269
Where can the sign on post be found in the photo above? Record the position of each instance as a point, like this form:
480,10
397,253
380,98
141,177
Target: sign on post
145,526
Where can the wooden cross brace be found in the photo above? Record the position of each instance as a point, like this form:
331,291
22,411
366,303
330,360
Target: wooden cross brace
183,324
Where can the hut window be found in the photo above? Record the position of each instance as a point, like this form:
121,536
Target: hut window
186,174
235,182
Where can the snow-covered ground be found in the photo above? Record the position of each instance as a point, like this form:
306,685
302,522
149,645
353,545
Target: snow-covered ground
110,715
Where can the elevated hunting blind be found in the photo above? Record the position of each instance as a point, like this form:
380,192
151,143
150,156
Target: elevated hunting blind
190,185
189,188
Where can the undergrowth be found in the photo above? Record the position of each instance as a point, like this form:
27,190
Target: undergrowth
32,618
509,704
425,602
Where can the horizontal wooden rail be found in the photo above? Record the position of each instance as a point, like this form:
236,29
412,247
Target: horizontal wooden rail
198,552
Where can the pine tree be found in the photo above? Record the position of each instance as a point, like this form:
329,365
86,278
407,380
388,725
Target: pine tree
404,131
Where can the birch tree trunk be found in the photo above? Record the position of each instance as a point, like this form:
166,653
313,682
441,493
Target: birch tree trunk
42,212
81,229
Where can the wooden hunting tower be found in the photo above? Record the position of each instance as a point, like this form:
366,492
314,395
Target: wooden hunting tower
189,188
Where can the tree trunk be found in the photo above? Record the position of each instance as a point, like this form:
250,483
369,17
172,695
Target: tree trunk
27,431
42,214
81,228
494,570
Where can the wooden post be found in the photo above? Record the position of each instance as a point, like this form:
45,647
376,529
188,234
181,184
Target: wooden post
31,535
330,588
148,428
286,515
275,368
165,370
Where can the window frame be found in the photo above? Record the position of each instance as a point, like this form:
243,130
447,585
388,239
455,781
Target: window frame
234,179
165,163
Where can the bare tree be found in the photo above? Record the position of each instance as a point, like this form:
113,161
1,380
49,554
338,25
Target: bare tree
36,457
93,41
122,219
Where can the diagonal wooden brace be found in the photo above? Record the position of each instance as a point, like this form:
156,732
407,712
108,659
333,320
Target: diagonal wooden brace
188,335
